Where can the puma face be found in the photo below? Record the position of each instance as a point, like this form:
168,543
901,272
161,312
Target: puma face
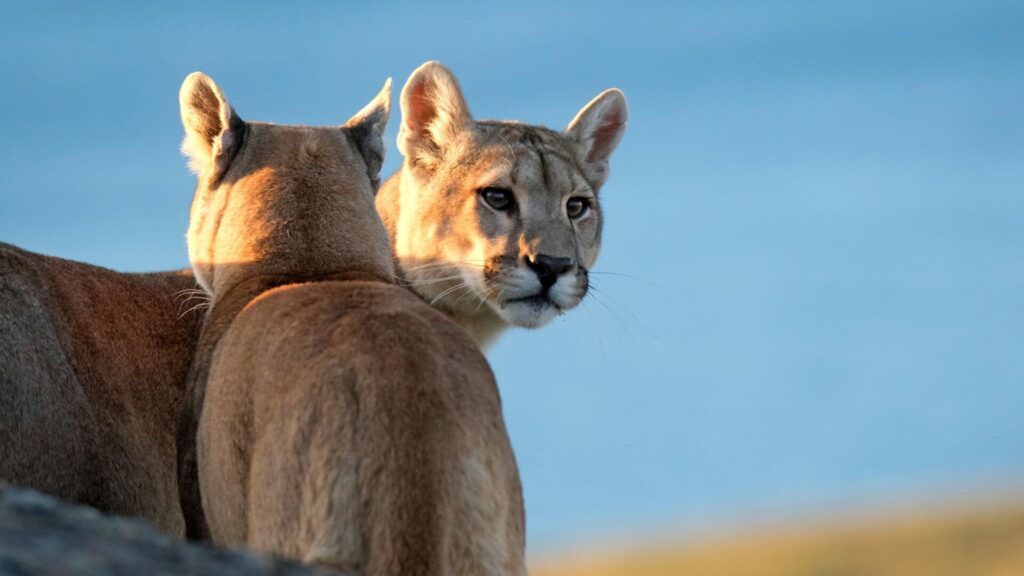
499,218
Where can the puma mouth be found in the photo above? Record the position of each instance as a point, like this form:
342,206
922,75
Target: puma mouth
536,300
531,311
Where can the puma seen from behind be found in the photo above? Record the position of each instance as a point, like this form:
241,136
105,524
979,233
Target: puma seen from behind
344,421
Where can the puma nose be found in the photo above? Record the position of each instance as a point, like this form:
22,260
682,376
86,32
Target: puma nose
549,268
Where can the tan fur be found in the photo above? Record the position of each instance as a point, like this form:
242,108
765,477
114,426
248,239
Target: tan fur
92,373
461,255
92,361
344,422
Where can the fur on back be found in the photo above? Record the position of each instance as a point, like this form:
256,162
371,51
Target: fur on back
92,373
341,420
488,265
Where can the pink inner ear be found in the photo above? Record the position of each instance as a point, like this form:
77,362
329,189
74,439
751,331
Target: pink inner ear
604,136
421,111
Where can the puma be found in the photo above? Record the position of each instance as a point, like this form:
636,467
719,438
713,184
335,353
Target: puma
341,420
92,375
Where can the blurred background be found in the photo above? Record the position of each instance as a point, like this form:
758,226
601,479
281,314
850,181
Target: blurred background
805,341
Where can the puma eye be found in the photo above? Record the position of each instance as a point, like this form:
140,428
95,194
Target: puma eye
577,206
498,198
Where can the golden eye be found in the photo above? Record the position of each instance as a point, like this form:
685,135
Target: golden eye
498,198
577,206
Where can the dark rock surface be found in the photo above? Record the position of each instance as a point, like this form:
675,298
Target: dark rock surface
40,535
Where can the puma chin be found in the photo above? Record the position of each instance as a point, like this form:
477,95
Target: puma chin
496,223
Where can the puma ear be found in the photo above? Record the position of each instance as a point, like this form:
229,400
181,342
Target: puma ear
212,129
597,130
367,129
433,114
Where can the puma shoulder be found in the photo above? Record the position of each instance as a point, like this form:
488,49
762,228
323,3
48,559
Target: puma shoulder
92,371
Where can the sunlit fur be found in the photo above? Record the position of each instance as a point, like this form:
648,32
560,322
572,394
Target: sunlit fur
467,258
341,420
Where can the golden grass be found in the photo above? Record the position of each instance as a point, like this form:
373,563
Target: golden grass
983,541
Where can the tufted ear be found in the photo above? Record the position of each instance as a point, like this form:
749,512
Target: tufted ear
433,114
212,129
367,129
597,130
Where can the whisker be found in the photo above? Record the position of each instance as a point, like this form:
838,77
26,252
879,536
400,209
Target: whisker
188,290
488,292
428,265
482,300
462,297
445,263
201,297
199,294
597,328
407,282
448,291
610,311
620,274
199,306
636,318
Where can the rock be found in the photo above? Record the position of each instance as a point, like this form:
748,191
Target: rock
40,535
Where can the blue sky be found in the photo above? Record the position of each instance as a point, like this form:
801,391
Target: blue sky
819,207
